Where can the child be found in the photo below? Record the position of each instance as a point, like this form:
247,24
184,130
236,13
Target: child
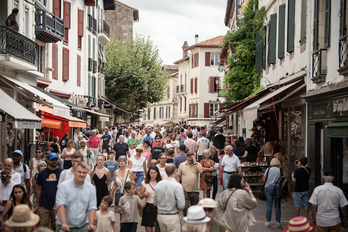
105,154
104,218
112,165
129,222
170,154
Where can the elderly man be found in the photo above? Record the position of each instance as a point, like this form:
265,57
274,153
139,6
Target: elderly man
21,168
231,164
189,172
326,201
121,148
8,165
210,206
6,187
169,199
93,143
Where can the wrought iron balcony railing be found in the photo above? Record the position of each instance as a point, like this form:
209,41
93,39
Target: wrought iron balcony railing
106,29
48,27
319,65
183,88
178,89
17,45
343,51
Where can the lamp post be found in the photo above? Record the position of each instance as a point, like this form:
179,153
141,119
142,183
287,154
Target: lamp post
221,67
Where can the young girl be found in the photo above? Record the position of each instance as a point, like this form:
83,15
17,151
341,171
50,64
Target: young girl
40,166
105,154
104,218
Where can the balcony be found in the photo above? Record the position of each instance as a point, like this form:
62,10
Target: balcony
95,66
17,52
178,89
49,28
103,32
90,64
343,55
183,88
319,66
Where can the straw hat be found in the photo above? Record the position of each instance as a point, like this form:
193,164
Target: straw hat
140,147
196,215
208,203
22,217
299,224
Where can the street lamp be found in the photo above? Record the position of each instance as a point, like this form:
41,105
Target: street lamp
217,80
221,67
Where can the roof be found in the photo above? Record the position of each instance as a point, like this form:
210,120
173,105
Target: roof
213,42
181,60
173,74
171,67
135,10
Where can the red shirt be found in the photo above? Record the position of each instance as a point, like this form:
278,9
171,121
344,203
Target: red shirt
94,141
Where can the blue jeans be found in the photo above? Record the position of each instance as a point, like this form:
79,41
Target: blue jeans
225,179
139,178
272,194
301,197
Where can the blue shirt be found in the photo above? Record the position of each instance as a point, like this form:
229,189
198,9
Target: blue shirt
150,139
112,166
179,159
77,201
48,180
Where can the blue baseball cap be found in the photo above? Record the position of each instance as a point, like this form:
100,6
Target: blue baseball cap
18,152
52,155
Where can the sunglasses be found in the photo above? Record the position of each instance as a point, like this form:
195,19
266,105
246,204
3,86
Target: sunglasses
158,141
83,146
38,151
54,159
16,155
138,150
4,176
208,209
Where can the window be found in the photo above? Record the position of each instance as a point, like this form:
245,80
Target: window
80,28
214,84
213,107
93,51
168,92
168,111
195,60
180,104
41,58
56,7
154,113
89,46
66,36
214,59
162,112
78,71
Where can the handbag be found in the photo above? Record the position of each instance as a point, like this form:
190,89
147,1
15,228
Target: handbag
208,178
261,193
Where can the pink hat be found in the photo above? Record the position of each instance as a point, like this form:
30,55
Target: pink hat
299,224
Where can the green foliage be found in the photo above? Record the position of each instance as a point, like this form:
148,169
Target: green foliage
131,66
241,74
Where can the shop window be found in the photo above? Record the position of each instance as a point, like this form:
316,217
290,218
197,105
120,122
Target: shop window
212,108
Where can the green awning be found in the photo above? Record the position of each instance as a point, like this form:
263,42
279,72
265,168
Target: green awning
337,130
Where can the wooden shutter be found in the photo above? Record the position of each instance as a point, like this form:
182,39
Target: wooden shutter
264,48
160,113
291,26
221,106
207,59
315,26
343,18
192,60
212,84
190,110
148,113
206,110
154,113
272,39
65,72
80,22
191,87
168,111
56,7
197,54
93,86
55,61
66,11
78,70
196,81
281,31
196,110
303,21
258,53
327,23
218,85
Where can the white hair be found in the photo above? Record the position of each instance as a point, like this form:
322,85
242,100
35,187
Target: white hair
94,131
206,151
328,178
212,148
230,147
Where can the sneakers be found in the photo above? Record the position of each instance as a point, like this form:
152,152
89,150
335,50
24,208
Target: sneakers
279,224
268,224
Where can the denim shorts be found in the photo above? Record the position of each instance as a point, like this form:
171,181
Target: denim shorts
301,196
139,179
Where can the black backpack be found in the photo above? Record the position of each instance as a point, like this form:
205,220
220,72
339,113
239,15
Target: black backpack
283,184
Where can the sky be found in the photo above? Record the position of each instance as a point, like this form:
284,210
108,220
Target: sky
171,22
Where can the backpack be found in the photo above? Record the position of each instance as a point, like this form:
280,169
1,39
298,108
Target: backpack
283,184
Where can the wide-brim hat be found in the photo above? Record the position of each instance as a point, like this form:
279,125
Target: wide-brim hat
299,224
22,217
140,147
196,215
208,203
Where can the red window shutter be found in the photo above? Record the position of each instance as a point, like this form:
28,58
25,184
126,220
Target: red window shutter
66,36
207,59
197,54
196,80
212,84
66,10
65,64
55,61
192,60
80,22
78,71
191,86
196,110
56,7
190,110
206,110
221,106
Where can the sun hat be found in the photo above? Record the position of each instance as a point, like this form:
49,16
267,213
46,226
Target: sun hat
18,152
22,217
168,146
207,203
195,215
140,147
52,155
299,224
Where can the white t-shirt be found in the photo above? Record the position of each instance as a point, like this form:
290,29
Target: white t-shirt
5,192
69,176
230,163
203,144
24,175
176,144
137,165
163,172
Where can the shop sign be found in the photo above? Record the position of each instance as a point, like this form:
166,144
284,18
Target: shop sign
27,124
79,113
336,108
61,112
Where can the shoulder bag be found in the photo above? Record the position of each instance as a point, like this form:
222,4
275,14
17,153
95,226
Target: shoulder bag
118,195
261,193
208,177
227,201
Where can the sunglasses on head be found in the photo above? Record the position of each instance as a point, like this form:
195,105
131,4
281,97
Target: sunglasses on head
4,176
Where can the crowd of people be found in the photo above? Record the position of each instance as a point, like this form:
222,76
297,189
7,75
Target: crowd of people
80,184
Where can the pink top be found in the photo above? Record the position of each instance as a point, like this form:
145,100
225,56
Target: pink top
94,141
146,154
191,144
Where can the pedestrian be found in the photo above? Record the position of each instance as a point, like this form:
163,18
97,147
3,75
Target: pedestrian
93,144
206,179
137,164
169,199
132,143
15,177
48,151
190,143
196,220
230,164
272,191
76,202
21,168
250,151
9,143
101,178
297,224
178,159
34,161
40,166
326,201
202,144
128,206
267,149
156,150
6,187
22,219
162,165
66,154
189,172
237,202
112,165
106,140
301,179
175,143
211,133
170,156
104,218
64,140
282,158
182,136
121,148
221,139
78,140
215,158
86,153
210,206
55,145
148,136
147,191
47,182
11,21
236,149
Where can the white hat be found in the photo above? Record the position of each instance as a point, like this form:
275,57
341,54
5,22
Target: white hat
207,203
168,146
22,217
195,215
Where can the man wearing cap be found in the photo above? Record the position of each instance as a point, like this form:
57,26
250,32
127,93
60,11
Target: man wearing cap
230,164
326,201
8,165
6,187
47,182
178,159
213,225
21,168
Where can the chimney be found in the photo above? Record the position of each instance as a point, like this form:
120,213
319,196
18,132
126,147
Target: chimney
196,38
184,53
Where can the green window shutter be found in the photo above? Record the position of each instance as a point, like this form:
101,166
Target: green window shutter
327,23
343,18
303,21
154,113
89,46
281,31
148,113
160,112
272,39
93,55
89,84
264,48
291,26
316,26
93,86
258,54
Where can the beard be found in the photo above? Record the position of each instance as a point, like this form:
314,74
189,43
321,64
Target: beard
53,165
190,161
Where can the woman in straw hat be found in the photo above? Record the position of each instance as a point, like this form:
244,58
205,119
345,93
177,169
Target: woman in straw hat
22,219
299,224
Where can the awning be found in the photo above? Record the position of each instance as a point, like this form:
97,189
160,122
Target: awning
337,130
52,123
73,122
23,117
220,121
59,109
98,113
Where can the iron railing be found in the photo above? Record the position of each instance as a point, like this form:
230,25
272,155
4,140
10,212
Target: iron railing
343,51
18,45
106,29
183,88
319,62
48,27
178,89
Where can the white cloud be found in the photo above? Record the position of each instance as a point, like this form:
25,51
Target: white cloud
171,22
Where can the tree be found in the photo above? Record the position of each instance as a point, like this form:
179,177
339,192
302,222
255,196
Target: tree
133,74
241,75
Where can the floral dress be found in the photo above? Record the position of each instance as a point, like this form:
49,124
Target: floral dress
206,164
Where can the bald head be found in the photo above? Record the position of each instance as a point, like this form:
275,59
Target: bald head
170,170
121,138
8,164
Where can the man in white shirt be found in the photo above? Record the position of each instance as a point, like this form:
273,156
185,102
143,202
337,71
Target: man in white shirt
326,201
8,165
231,164
6,187
21,168
202,144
